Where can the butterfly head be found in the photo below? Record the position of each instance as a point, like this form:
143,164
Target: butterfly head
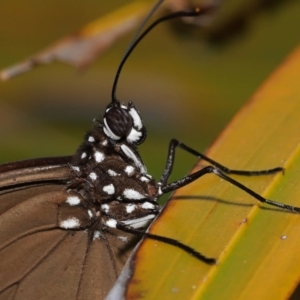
121,122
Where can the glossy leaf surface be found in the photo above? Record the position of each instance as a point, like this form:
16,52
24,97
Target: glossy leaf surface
256,245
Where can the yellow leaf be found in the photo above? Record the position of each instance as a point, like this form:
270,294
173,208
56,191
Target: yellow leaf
257,246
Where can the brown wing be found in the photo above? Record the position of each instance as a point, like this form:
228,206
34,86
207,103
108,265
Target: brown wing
38,259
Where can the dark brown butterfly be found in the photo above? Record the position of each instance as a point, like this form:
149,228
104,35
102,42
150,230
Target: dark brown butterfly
66,222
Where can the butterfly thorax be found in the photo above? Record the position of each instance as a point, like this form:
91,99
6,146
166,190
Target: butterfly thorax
109,176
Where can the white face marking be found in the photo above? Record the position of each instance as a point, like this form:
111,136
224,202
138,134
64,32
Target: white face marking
105,207
99,156
93,176
109,189
130,208
73,200
83,155
140,222
108,132
136,118
132,194
112,223
144,179
70,223
75,168
127,151
91,139
133,135
112,173
129,170
104,143
147,205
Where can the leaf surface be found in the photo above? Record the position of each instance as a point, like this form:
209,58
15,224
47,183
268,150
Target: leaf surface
256,245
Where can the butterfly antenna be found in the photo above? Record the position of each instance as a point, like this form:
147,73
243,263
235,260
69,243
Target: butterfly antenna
141,26
135,41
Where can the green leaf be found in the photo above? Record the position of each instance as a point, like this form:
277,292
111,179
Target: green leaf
256,245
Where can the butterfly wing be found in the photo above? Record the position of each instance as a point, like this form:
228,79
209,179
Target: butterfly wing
39,260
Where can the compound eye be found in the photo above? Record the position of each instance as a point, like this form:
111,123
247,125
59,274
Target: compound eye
118,122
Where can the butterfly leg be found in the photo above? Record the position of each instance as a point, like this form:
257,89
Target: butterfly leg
167,240
212,169
171,157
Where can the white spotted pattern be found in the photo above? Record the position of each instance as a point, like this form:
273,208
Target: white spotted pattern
112,223
148,205
129,170
109,189
130,208
99,156
73,200
112,173
97,235
105,207
144,179
70,223
91,139
132,194
90,213
93,176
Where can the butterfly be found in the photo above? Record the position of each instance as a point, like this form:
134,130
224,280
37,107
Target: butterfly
66,222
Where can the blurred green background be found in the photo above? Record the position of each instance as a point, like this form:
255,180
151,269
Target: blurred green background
183,85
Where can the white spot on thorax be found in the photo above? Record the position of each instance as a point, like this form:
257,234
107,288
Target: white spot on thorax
130,208
99,156
132,194
109,189
91,139
73,200
93,176
129,170
112,173
104,143
148,205
112,223
105,207
83,155
70,223
90,213
144,179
